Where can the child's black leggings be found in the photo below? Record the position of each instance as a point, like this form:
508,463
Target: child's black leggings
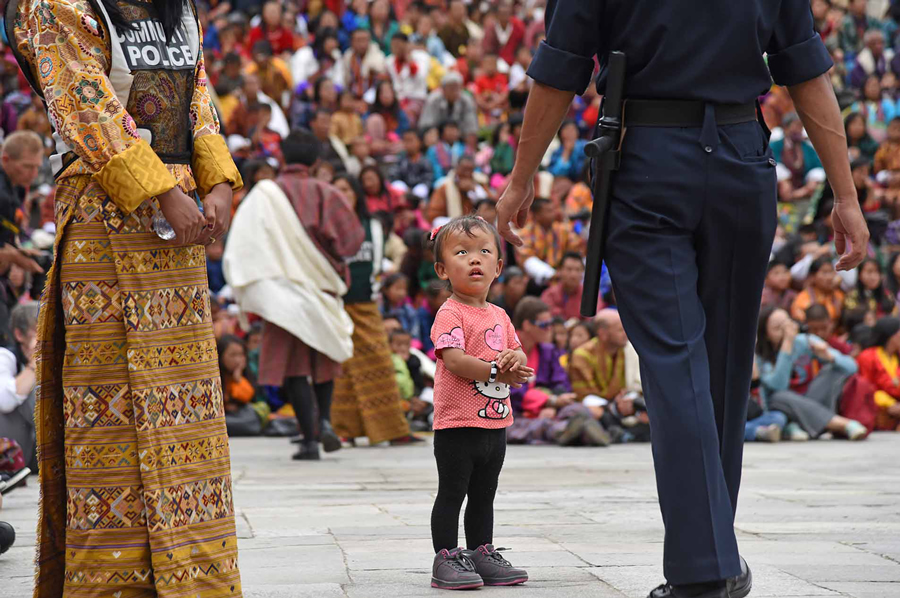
469,461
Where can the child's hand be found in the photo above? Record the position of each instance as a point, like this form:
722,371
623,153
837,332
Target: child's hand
517,377
509,360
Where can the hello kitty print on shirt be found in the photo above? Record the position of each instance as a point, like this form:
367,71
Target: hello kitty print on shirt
497,394
481,333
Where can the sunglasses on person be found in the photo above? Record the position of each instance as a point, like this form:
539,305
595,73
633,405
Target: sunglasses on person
544,325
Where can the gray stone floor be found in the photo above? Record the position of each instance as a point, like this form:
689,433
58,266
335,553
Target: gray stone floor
815,519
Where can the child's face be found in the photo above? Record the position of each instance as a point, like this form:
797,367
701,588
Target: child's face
411,143
360,149
233,357
870,276
893,131
400,345
431,137
254,340
371,183
489,65
397,292
821,328
348,104
451,134
824,278
470,262
560,335
578,337
778,278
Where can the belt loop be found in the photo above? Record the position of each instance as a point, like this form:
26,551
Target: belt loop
709,135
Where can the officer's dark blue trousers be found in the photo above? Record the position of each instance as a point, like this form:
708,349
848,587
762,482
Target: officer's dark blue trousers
692,219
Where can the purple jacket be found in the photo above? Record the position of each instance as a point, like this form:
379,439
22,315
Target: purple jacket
550,374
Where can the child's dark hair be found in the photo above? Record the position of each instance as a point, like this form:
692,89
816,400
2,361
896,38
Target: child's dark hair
392,279
462,224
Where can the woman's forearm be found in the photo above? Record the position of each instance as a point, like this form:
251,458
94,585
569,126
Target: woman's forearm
544,114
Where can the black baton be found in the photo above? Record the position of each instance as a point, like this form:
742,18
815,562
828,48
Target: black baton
604,154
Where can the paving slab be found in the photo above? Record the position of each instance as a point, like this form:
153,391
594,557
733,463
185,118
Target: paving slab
816,519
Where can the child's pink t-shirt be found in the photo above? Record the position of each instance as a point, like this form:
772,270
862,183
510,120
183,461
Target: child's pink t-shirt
480,332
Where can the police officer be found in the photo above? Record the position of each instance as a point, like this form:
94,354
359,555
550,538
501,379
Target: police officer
691,223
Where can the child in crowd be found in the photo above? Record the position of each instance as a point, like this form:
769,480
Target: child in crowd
870,292
822,287
395,303
479,357
777,290
242,416
819,323
579,335
408,370
436,293
346,123
560,334
444,154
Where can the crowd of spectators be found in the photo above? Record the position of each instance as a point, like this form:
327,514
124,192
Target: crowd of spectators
417,109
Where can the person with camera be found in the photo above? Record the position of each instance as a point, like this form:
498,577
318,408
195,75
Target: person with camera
803,377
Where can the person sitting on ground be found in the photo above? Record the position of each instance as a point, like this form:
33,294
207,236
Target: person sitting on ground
605,376
545,407
803,377
564,297
458,193
444,154
395,303
762,425
578,336
798,167
243,415
821,288
408,370
879,365
546,239
777,290
515,283
820,324
870,293
413,169
17,382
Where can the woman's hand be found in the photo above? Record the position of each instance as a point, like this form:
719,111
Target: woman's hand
183,215
217,206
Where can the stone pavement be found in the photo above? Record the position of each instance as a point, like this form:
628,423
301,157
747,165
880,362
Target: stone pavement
815,519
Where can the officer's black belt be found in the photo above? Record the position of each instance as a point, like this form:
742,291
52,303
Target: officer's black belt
683,113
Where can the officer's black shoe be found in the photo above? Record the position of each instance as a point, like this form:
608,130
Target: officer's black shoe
735,587
309,451
740,586
7,536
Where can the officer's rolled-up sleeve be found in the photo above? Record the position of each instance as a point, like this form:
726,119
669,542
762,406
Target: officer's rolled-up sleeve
565,59
796,52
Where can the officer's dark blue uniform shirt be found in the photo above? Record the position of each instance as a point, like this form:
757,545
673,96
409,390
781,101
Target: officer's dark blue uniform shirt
710,50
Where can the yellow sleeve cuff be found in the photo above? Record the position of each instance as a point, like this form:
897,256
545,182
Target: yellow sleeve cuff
883,399
134,176
212,164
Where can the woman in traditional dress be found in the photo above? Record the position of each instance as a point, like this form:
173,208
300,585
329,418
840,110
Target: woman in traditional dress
366,396
134,463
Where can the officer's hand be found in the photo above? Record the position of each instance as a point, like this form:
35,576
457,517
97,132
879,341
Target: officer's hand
851,234
514,204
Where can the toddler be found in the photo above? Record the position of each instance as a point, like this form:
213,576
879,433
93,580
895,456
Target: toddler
479,358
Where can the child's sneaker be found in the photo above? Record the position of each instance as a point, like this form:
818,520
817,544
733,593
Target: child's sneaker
454,570
494,569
